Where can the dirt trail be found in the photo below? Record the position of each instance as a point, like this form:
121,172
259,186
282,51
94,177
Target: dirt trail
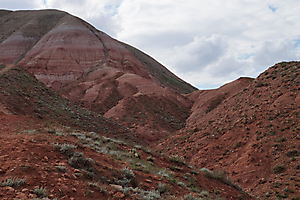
6,68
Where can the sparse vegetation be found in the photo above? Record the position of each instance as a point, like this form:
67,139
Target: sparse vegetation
12,182
191,197
163,188
66,149
221,176
293,153
40,192
96,186
77,160
177,159
61,168
128,173
245,123
278,169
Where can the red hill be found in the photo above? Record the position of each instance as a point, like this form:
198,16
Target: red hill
89,67
250,129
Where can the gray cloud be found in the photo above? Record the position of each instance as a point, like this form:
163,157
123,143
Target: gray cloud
230,67
200,53
272,52
205,42
162,40
20,5
98,13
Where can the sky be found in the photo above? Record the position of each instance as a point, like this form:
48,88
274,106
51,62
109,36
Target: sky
205,42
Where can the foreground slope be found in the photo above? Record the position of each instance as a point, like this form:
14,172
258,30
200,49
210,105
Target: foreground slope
22,94
48,151
70,164
253,134
87,66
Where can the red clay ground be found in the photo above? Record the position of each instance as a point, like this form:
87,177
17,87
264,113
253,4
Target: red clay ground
250,134
248,128
27,152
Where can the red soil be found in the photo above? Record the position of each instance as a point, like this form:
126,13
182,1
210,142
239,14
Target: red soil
247,132
27,153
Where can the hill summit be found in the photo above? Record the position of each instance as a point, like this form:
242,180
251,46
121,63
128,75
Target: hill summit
89,67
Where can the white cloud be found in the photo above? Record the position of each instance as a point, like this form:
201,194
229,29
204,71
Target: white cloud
230,67
200,53
274,51
180,35
21,5
205,42
98,13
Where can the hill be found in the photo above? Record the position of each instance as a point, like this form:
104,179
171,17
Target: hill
250,129
53,149
85,116
89,67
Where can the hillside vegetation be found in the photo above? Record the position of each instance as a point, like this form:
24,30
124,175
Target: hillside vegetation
252,133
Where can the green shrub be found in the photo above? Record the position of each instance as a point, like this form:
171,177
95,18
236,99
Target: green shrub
164,173
66,149
12,182
221,176
149,195
87,174
177,159
282,139
162,188
128,173
194,172
181,184
293,153
190,197
128,178
150,158
97,187
80,162
278,169
61,168
41,192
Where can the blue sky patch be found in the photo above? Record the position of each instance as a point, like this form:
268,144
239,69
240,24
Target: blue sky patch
245,56
113,9
296,42
273,8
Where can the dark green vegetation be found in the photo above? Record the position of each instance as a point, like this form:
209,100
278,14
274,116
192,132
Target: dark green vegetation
23,94
136,163
162,112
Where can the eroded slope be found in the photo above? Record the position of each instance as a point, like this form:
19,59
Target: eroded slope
252,135
49,151
89,67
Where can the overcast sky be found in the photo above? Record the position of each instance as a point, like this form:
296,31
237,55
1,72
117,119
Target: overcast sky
205,42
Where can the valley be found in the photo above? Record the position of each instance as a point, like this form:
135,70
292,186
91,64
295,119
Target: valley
84,116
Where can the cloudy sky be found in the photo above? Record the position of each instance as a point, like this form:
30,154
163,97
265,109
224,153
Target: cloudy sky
205,42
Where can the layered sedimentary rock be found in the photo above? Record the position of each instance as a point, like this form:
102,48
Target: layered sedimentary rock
87,66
